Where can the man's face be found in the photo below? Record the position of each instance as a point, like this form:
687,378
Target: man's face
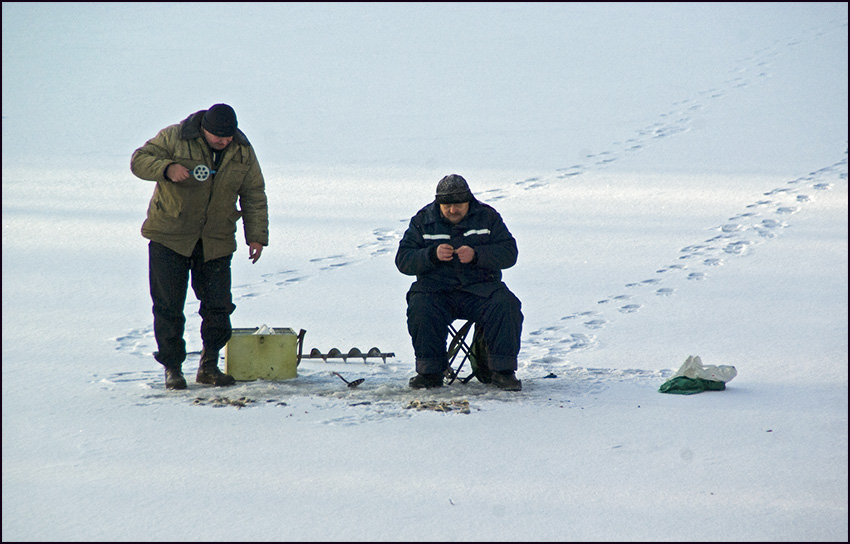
217,142
454,212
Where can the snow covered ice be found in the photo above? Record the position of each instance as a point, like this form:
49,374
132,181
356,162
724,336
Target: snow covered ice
675,176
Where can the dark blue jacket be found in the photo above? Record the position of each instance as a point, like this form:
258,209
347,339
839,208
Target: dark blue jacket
482,229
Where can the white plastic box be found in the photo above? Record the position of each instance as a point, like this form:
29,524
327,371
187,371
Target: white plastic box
249,356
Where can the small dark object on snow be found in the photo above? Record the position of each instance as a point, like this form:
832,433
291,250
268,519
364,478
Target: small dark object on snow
353,384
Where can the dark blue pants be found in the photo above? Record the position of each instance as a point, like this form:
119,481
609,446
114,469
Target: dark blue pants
169,282
430,314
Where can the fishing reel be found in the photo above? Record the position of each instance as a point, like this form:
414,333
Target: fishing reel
201,172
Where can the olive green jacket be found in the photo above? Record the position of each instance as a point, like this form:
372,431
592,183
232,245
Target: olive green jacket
182,213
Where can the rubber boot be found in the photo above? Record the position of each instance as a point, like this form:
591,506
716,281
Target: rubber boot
506,380
426,381
208,372
174,378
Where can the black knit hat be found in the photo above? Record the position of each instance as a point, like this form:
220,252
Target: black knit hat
220,120
453,189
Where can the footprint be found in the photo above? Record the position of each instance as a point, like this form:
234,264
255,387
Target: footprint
644,282
271,275
579,341
736,248
334,265
670,267
319,259
595,323
532,183
776,191
291,280
569,174
574,170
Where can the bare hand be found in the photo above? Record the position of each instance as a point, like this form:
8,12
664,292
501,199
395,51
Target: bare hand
177,172
255,249
445,252
465,254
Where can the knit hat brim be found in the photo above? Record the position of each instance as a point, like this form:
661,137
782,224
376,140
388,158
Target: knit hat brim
453,189
454,198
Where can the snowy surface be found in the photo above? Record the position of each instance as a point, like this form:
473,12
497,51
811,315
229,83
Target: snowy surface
675,176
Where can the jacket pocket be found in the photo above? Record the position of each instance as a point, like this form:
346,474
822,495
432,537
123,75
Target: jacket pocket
232,178
165,212
222,225
160,207
165,205
237,171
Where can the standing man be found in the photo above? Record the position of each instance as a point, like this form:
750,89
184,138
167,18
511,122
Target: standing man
201,167
457,247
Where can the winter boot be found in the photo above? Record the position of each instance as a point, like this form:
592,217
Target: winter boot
209,373
174,378
506,380
427,381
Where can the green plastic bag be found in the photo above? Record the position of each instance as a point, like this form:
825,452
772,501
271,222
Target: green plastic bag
694,377
681,385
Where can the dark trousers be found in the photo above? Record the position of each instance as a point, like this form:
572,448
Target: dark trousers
169,281
430,314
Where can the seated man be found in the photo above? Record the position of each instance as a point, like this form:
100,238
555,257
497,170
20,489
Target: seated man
457,247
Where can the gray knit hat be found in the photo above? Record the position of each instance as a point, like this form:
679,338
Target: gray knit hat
453,189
